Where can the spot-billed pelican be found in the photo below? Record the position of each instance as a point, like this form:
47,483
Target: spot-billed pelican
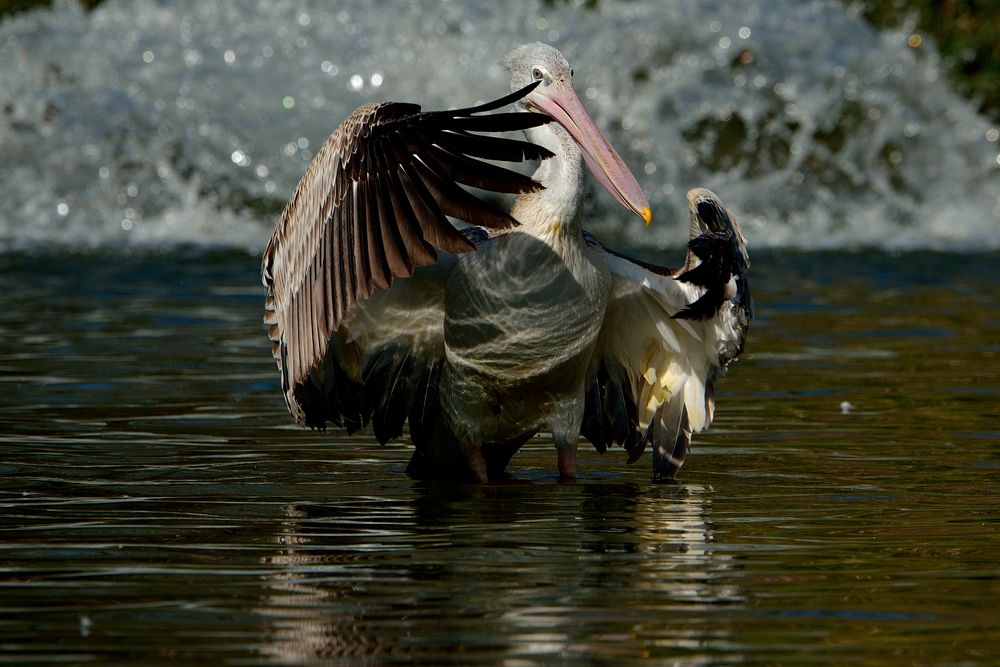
381,312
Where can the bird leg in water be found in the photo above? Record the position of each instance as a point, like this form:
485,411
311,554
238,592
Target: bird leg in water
498,455
565,425
474,458
566,453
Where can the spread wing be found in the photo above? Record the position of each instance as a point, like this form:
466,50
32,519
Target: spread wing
372,207
667,335
383,364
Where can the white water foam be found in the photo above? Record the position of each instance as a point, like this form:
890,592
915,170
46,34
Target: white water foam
161,124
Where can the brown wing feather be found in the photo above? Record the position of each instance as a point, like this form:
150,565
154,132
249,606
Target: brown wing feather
372,207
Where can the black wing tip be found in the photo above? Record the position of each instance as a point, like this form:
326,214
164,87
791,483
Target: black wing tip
516,120
708,206
713,214
704,308
611,415
493,105
404,109
670,437
720,248
538,153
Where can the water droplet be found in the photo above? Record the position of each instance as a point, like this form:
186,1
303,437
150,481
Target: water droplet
649,168
304,19
992,134
104,172
267,51
715,26
744,32
725,42
62,208
229,56
240,158
126,224
329,68
357,81
147,56
542,23
914,40
288,101
376,79
303,143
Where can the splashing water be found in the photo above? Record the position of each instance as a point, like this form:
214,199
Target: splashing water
151,125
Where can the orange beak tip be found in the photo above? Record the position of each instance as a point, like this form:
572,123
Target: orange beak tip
647,215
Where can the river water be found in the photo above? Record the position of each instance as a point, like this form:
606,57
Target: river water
157,506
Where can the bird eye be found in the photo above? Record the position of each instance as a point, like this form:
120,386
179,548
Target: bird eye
571,72
537,73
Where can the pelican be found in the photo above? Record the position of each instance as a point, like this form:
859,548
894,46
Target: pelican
381,312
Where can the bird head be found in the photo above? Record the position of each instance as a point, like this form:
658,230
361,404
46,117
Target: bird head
555,97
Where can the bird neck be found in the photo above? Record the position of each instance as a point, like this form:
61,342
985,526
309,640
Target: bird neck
551,212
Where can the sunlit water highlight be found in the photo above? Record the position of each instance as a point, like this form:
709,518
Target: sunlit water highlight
156,505
156,124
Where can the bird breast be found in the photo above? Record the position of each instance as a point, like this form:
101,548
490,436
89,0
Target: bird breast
522,311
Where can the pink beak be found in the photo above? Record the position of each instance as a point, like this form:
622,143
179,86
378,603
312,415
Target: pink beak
605,163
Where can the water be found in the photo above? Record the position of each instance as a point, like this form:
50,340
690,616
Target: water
153,124
156,506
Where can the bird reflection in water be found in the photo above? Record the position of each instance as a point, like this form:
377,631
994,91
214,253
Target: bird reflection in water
501,572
